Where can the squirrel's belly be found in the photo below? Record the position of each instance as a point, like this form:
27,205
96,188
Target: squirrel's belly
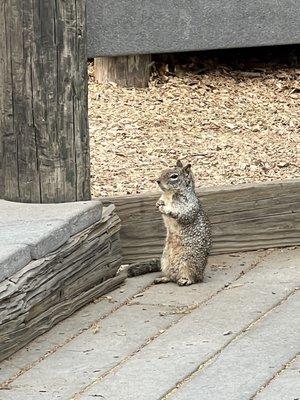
172,254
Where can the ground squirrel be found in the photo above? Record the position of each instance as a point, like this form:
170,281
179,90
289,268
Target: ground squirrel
188,238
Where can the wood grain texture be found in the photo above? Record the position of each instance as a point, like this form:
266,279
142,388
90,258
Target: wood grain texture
127,71
43,101
52,288
243,217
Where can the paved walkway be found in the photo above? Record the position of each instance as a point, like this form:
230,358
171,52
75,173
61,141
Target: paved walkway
234,337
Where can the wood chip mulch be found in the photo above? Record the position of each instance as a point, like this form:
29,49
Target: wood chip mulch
233,126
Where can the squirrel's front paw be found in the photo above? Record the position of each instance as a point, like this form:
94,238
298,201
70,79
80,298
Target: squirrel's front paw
161,209
159,203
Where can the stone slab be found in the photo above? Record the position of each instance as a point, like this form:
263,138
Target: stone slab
39,229
177,351
84,317
7,370
140,27
90,354
285,386
220,270
12,258
42,237
251,361
65,330
79,215
201,334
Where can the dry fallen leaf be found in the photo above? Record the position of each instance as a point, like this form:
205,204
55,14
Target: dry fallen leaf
227,333
95,327
108,298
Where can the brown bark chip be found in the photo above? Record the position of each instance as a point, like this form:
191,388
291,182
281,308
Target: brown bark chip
233,126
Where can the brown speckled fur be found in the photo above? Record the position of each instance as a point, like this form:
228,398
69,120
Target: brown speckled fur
188,238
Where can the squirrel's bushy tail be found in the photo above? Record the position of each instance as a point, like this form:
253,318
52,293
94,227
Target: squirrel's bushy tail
144,267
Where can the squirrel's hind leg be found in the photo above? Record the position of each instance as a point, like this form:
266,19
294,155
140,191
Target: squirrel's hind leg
184,282
162,279
188,274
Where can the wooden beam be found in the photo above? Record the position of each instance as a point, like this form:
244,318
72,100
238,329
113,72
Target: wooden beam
127,71
243,217
43,101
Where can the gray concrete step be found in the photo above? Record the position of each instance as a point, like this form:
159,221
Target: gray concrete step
198,337
70,328
285,385
61,360
142,340
247,363
221,270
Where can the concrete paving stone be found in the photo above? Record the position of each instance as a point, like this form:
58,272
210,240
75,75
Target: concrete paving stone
42,236
72,326
198,336
220,270
12,258
79,215
285,386
84,317
280,265
252,360
7,369
24,358
165,346
39,229
90,354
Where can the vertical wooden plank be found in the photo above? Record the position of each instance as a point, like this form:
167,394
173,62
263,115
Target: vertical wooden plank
25,129
80,100
127,71
43,126
9,145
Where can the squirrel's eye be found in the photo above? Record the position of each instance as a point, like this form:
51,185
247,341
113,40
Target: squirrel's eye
174,176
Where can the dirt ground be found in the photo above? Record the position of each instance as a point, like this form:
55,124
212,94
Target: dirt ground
234,123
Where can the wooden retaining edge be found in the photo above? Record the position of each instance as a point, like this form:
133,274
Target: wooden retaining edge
244,217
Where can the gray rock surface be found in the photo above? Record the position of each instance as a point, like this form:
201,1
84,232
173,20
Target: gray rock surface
91,354
248,363
203,333
285,386
221,270
130,345
65,330
31,231
12,258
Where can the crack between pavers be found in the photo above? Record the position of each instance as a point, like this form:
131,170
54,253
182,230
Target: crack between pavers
277,374
260,258
212,358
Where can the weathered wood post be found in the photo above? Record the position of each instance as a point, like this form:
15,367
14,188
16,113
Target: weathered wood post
127,71
44,140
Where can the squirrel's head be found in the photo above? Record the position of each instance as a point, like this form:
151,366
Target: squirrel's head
177,179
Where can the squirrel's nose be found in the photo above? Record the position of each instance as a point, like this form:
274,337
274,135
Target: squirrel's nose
158,181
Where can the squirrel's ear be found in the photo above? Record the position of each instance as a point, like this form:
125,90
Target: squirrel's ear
187,168
179,164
